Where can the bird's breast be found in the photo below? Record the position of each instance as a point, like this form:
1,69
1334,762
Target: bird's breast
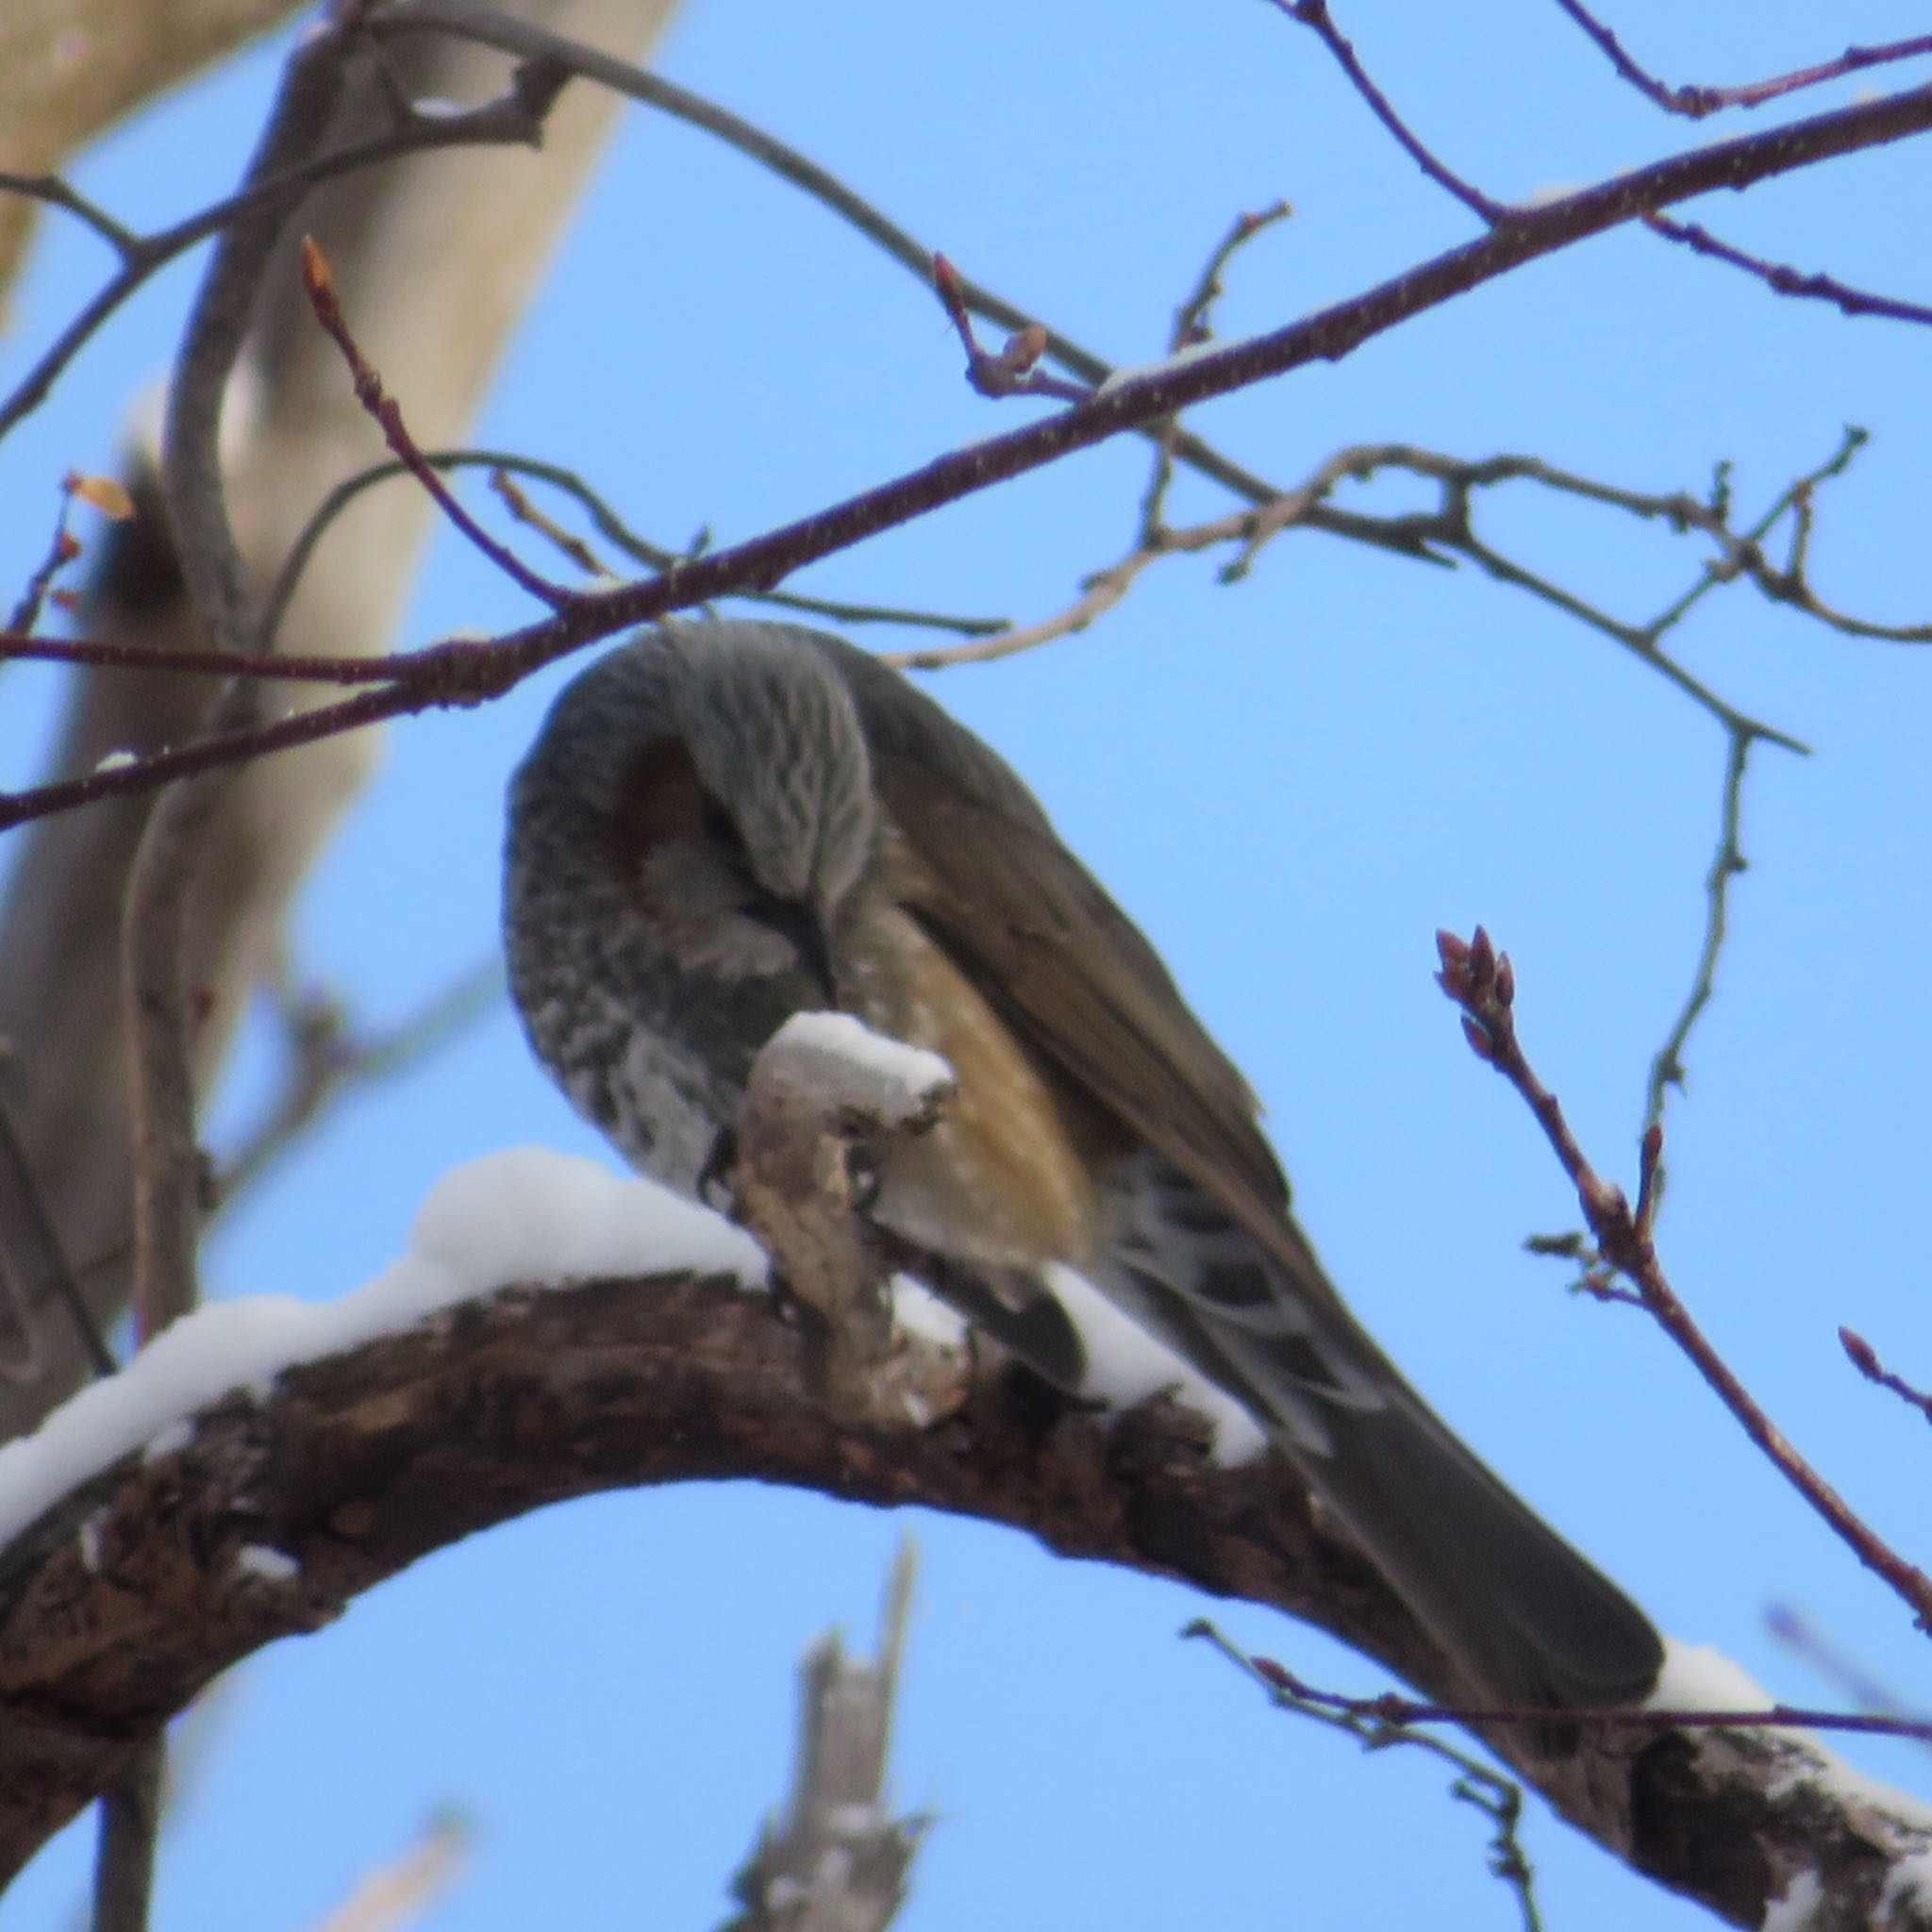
1001,1178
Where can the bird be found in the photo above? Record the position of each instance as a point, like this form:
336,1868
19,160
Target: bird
725,823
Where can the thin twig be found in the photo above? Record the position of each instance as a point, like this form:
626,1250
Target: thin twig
62,548
1449,529
1392,1710
1697,102
113,656
1864,1358
1787,280
1314,14
1194,324
1498,1798
23,1190
167,1159
1482,983
459,674
1727,862
1792,1629
515,119
510,35
567,544
59,193
327,1056
387,413
1012,371
609,525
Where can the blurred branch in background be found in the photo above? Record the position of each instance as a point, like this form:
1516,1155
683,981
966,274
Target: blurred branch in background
836,1861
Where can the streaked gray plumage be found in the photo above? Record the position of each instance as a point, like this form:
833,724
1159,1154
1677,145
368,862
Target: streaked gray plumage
724,824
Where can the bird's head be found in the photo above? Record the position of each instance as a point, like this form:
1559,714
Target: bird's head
750,818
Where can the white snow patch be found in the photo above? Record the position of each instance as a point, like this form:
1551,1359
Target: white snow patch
169,1441
853,1819
264,1560
1551,192
435,108
532,1214
882,1075
1139,371
919,1313
1794,1909
1696,1677
527,1214
1126,1365
113,760
91,1541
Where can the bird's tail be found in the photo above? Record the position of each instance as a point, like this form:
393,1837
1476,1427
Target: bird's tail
1527,1620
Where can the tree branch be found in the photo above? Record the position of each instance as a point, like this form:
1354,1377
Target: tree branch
136,1590
464,673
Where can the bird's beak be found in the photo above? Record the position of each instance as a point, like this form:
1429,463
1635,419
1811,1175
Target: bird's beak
799,922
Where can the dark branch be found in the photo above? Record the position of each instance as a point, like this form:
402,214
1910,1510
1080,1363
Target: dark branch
134,1591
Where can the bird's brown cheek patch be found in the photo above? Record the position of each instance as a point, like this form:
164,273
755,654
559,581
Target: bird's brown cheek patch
659,799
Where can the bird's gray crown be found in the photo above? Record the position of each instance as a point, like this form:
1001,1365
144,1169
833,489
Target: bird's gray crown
775,737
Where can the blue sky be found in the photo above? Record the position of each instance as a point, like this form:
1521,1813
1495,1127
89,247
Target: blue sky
1291,783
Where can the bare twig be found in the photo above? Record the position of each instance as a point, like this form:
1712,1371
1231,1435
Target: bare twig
56,193
1797,1633
1449,528
1787,280
207,663
1727,862
462,675
514,36
23,1187
1482,983
1015,370
1193,324
1696,101
327,1056
566,542
609,525
1864,1358
62,548
1498,1798
387,413
1390,1709
167,1163
516,118
1314,14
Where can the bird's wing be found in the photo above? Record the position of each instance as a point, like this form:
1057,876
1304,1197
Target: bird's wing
1061,962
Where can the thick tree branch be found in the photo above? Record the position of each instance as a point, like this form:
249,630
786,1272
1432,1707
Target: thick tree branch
149,1580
